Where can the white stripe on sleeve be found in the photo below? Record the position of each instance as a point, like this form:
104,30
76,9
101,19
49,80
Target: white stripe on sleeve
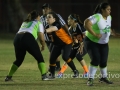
61,20
41,28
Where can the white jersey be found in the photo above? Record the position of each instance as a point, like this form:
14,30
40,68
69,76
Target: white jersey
32,27
100,26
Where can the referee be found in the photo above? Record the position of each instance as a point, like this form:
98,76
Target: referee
46,9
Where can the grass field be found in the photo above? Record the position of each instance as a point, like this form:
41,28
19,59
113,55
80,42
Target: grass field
28,76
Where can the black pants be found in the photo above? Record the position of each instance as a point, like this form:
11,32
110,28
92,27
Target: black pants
57,50
49,45
26,42
74,52
97,52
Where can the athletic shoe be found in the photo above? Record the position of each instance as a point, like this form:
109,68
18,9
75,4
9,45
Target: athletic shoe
90,82
76,74
106,80
44,77
60,75
8,78
51,76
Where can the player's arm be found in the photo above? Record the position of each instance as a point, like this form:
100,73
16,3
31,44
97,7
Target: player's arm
41,40
41,36
88,26
64,25
51,29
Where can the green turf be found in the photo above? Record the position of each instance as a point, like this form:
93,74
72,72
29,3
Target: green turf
28,76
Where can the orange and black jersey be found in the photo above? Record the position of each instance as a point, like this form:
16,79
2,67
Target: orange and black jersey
45,24
77,33
60,37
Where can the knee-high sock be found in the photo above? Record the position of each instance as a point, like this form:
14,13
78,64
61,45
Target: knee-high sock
71,64
12,70
42,67
103,72
58,64
92,71
52,70
85,68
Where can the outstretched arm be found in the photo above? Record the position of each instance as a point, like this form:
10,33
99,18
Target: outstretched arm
51,29
114,33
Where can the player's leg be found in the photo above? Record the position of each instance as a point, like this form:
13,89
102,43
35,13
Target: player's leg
56,51
57,68
93,52
64,66
68,60
104,49
83,63
34,49
20,53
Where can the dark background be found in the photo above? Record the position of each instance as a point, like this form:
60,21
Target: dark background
13,12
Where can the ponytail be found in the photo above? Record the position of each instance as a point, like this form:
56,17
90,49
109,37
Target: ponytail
32,16
101,6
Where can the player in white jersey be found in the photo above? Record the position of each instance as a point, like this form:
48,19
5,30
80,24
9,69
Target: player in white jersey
98,28
46,9
25,40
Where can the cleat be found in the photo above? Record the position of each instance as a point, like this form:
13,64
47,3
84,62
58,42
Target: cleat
85,75
106,80
8,78
51,77
44,77
60,75
76,74
90,82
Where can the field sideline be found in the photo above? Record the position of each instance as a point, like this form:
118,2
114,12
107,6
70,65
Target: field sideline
28,76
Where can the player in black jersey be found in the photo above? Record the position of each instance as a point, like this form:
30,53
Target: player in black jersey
46,9
77,32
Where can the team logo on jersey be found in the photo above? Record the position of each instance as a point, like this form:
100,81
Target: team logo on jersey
106,30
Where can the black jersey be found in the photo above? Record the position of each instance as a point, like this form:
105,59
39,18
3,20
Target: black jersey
45,24
60,37
77,33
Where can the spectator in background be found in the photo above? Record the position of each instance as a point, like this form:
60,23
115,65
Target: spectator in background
25,40
46,9
98,28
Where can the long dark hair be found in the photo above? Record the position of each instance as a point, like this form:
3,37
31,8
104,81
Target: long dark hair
32,16
55,16
101,6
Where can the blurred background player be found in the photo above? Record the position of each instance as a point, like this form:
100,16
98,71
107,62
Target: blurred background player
46,9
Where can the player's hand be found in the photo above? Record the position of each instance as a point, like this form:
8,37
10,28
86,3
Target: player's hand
75,40
80,50
42,48
98,35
